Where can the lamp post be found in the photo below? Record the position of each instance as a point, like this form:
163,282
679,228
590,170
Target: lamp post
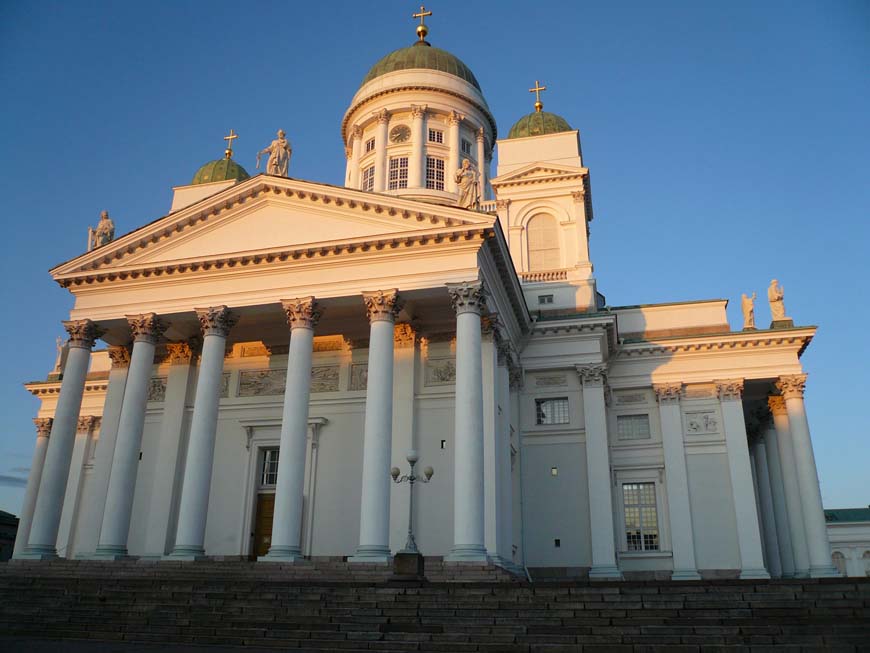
408,562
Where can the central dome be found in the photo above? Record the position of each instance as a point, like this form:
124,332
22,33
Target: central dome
422,55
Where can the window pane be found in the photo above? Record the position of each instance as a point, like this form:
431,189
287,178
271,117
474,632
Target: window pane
368,179
270,467
436,136
434,173
632,427
552,411
641,516
398,173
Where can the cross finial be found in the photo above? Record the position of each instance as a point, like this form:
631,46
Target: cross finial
537,91
422,30
229,139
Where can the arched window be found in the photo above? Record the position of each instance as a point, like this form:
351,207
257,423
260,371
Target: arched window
543,238
839,561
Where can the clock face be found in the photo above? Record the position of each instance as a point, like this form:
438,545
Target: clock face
400,134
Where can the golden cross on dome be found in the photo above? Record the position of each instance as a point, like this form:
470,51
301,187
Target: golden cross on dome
537,91
229,139
422,30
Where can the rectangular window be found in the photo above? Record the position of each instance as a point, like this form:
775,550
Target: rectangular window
641,516
370,145
436,136
551,411
545,299
398,173
270,467
466,147
368,179
434,173
632,427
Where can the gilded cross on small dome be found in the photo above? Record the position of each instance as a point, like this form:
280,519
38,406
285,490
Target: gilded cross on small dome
229,139
537,91
422,30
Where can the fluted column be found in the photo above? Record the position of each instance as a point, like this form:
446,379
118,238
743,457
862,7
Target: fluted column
676,475
302,315
481,162
818,546
740,471
383,118
43,430
598,473
146,329
69,516
382,307
765,499
777,490
417,161
355,154
49,501
453,121
469,301
216,323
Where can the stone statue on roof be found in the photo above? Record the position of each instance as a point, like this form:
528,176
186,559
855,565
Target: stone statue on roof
104,232
747,305
466,179
279,156
775,296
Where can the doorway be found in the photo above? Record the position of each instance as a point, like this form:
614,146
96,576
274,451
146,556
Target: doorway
263,525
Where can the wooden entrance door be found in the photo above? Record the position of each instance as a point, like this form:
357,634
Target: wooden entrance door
263,524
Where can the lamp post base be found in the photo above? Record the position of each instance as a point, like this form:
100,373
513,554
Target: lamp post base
408,565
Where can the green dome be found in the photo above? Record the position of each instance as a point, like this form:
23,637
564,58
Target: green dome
538,124
220,170
422,55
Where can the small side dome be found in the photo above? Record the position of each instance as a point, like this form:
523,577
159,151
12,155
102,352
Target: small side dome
220,170
538,124
422,55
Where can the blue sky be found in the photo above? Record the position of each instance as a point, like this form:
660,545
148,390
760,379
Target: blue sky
727,141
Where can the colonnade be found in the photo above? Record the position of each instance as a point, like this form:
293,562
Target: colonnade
46,485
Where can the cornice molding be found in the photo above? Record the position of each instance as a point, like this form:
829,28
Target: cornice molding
706,344
47,389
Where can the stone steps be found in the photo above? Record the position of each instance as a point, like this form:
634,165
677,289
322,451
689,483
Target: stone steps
264,606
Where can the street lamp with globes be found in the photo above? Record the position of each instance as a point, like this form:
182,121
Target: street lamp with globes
412,458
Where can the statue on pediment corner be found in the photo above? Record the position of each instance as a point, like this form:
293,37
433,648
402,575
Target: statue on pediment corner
103,233
466,179
747,305
279,152
775,295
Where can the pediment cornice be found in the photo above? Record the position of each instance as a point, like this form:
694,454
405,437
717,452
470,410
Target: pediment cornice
798,338
538,173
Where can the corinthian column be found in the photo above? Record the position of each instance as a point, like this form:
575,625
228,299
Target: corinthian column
742,488
355,154
43,430
417,161
382,307
302,315
818,546
453,121
777,491
598,473
216,323
469,300
383,118
481,162
146,329
682,536
49,501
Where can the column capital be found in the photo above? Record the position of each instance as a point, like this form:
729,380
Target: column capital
179,352
86,423
357,131
729,389
776,404
382,304
216,320
668,393
404,335
419,110
82,333
578,195
502,204
348,152
43,426
455,118
490,326
120,356
382,116
592,376
467,297
146,327
792,386
302,313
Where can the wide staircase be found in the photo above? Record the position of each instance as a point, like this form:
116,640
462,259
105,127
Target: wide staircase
329,605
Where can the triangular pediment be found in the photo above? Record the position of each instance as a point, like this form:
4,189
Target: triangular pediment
539,172
269,214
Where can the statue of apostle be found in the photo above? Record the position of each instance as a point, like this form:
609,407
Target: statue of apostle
747,305
103,233
467,185
775,295
279,156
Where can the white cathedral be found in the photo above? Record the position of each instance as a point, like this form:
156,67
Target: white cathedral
276,346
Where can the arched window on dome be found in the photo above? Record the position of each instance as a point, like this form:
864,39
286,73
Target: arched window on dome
542,234
839,561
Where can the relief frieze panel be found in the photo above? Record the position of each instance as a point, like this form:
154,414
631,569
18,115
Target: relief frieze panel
702,422
324,378
359,376
262,383
157,389
440,371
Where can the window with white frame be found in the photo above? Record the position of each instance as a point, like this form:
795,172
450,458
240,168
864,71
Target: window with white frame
632,427
552,411
466,147
434,173
543,242
368,178
398,177
436,136
370,145
269,474
641,516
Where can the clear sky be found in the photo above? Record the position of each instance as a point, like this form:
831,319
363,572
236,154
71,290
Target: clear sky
727,141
